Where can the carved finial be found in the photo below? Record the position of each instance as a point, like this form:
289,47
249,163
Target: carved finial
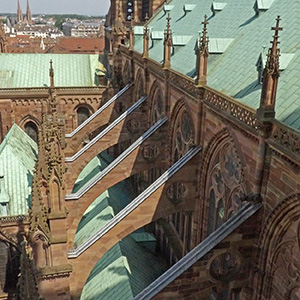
204,31
271,74
202,55
167,44
147,17
168,23
51,74
272,63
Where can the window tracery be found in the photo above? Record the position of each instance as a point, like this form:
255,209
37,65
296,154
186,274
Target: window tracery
224,186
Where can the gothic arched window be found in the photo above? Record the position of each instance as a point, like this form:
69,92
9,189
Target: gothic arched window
32,130
224,187
83,114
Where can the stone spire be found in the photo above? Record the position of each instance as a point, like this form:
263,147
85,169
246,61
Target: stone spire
146,39
167,45
28,14
19,13
202,55
51,74
271,74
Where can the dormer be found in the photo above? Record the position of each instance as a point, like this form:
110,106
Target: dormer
261,6
217,7
180,41
156,36
218,45
168,8
188,8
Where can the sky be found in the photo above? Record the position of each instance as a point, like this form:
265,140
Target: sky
81,7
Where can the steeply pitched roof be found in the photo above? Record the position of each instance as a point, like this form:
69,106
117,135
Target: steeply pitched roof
32,70
234,71
18,154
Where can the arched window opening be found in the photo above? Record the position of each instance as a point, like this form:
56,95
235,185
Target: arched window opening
32,130
83,114
224,187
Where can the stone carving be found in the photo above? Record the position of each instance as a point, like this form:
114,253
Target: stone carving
150,152
224,266
234,109
287,138
133,126
176,192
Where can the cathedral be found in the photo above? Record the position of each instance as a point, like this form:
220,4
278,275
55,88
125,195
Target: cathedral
169,168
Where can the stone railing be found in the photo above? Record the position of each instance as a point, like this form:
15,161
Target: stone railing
232,108
10,220
41,92
286,139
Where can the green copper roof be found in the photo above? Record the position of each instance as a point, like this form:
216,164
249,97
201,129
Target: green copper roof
18,154
106,206
124,271
128,267
32,70
232,67
96,165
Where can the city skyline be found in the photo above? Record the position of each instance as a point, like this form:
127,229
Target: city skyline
90,7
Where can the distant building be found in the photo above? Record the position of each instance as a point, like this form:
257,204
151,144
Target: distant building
45,31
79,28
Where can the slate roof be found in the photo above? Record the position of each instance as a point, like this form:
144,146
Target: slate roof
18,153
32,70
234,71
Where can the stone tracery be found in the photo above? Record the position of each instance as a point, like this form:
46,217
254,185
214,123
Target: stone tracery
225,184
